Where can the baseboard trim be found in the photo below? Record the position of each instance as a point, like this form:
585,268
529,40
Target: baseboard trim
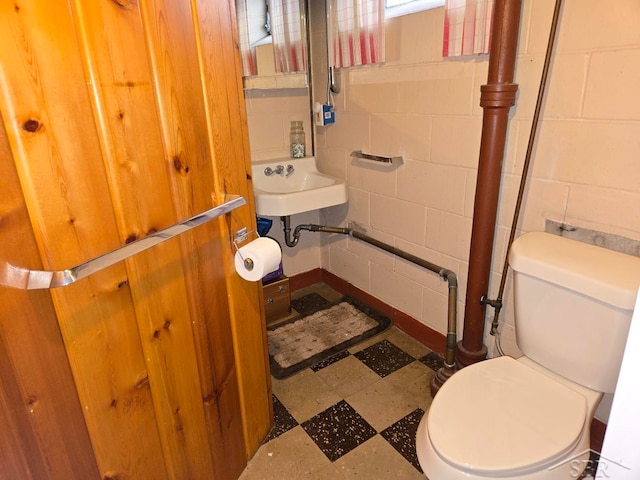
598,429
432,339
305,279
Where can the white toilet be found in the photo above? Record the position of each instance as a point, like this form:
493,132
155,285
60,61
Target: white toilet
529,418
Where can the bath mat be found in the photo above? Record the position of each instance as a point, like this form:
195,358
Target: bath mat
306,340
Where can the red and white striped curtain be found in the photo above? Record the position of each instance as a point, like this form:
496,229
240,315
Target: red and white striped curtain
246,52
467,27
289,33
356,32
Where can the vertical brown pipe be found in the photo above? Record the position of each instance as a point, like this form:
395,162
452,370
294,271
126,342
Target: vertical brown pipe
496,99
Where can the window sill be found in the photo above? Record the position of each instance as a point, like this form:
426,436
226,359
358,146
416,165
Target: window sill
412,7
275,82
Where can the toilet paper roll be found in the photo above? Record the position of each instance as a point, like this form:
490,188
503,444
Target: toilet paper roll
265,256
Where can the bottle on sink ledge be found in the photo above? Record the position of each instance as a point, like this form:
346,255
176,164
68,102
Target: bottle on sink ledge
297,139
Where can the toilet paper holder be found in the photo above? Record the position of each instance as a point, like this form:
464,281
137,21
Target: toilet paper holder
241,236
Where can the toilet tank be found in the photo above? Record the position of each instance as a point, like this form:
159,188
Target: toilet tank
573,305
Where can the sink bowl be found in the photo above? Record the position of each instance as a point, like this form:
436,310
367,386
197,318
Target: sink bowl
303,190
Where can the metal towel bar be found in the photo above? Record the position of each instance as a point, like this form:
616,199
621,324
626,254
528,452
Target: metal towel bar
24,279
377,158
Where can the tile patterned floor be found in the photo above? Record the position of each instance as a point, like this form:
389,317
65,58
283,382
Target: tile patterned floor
352,416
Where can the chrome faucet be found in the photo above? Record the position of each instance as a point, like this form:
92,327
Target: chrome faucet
290,170
279,170
271,171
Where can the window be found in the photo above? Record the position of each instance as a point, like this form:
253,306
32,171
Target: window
395,8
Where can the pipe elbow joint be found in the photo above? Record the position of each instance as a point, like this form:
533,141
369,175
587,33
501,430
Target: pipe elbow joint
299,228
450,277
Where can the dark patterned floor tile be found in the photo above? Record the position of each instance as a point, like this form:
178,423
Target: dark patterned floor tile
338,430
332,359
433,360
402,436
310,304
282,420
384,358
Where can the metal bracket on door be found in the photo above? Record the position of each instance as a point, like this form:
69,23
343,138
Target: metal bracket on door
24,279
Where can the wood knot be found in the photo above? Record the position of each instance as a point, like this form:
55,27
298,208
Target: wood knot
179,166
31,125
122,3
111,476
113,403
178,425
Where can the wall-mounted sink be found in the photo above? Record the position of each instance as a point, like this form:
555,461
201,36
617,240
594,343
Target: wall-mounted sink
287,186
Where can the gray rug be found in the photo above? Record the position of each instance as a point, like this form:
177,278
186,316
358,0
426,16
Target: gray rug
306,340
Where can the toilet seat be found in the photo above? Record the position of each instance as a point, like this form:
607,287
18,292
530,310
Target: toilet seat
518,420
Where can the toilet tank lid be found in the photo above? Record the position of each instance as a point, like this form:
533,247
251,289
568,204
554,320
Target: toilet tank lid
609,276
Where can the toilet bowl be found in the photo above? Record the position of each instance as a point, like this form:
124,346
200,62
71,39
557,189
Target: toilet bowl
507,418
529,418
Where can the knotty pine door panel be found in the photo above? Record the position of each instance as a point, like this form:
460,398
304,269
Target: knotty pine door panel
122,117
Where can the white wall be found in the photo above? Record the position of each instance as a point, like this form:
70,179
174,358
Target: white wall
585,164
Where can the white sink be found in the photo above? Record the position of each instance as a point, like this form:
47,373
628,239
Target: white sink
281,194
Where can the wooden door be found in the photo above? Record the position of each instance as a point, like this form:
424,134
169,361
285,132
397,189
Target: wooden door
120,118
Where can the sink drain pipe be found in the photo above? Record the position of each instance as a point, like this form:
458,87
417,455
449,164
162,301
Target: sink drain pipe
452,311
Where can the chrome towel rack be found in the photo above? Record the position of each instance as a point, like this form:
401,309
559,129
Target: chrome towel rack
24,279
397,160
